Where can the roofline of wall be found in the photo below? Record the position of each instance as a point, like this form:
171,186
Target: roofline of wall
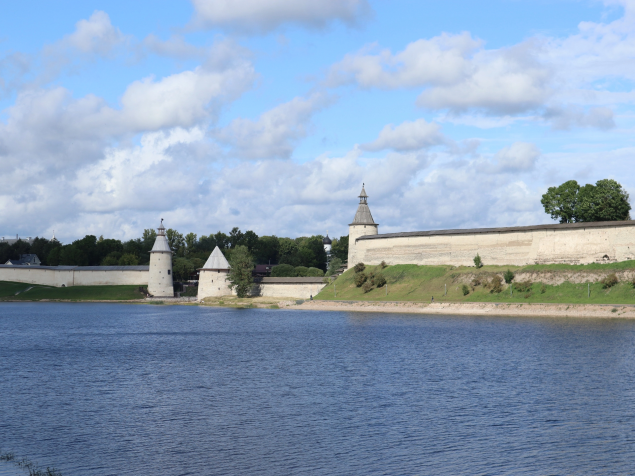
212,269
512,229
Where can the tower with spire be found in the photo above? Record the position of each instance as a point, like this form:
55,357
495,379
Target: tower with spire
362,225
160,282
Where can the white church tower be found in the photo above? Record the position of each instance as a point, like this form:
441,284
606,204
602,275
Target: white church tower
160,277
363,224
212,278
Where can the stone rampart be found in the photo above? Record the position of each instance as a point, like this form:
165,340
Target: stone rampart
302,288
576,243
75,275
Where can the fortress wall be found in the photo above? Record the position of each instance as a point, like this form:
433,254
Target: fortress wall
212,283
49,276
540,246
300,291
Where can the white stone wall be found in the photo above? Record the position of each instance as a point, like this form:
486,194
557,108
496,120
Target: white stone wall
213,283
160,282
354,232
573,246
300,291
71,277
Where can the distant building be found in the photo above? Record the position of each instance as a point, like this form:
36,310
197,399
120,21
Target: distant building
25,260
263,270
326,241
11,241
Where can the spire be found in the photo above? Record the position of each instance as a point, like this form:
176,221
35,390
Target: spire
161,244
363,198
363,215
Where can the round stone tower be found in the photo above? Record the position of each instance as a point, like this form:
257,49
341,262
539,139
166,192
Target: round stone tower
212,277
363,224
327,243
160,276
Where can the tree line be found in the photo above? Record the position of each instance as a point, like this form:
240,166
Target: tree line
190,251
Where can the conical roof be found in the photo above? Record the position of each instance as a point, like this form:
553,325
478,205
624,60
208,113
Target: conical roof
161,243
363,216
363,193
216,260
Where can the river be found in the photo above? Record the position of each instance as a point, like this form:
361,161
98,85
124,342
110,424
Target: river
118,389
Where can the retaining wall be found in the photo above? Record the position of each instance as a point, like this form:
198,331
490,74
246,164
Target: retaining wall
76,275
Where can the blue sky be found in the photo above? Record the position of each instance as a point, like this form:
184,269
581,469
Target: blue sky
269,114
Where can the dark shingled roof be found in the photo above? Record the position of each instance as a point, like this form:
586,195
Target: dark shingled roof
511,229
363,216
326,240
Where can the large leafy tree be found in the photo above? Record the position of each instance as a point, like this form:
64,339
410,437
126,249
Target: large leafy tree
241,265
604,201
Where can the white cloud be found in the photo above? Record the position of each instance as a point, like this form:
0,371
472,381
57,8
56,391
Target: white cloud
410,135
261,16
95,35
519,157
563,118
276,131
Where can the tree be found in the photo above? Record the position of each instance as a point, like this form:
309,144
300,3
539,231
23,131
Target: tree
334,265
236,237
267,250
283,271
241,265
176,242
570,203
128,259
606,201
478,262
339,248
190,242
182,268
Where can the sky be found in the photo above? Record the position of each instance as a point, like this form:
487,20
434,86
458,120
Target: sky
269,115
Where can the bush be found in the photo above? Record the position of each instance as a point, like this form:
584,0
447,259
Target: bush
508,276
383,265
380,281
367,286
496,284
476,282
283,271
609,281
359,267
301,271
478,262
523,286
360,278
465,289
315,272
128,259
543,289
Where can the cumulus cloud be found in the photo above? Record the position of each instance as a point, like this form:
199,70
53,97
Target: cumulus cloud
563,118
519,157
276,131
261,16
408,136
94,35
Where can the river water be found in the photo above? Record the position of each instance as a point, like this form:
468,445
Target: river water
115,389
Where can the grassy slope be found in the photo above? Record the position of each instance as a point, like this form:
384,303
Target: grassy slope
420,283
74,293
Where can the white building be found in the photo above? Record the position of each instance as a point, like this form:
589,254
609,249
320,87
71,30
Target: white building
160,283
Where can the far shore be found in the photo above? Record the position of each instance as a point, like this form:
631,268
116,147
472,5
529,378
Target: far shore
622,311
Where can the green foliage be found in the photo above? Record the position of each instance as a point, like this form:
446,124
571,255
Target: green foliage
241,266
334,265
476,282
112,259
367,286
359,267
182,268
543,289
523,286
315,272
604,201
176,241
301,271
380,280
339,248
496,284
360,279
128,259
508,276
477,261
609,281
465,290
383,265
283,271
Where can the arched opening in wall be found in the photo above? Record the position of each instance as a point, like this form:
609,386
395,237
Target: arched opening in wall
605,257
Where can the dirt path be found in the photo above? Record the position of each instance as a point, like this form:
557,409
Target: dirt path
538,310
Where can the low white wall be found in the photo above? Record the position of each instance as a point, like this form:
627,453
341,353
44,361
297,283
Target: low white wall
300,291
74,276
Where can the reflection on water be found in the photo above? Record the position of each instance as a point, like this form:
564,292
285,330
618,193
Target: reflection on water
107,389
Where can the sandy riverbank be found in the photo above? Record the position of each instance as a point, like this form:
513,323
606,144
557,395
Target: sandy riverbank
478,309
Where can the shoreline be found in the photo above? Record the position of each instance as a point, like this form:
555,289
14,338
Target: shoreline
606,311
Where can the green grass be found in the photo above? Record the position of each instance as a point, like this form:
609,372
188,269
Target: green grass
8,291
420,283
